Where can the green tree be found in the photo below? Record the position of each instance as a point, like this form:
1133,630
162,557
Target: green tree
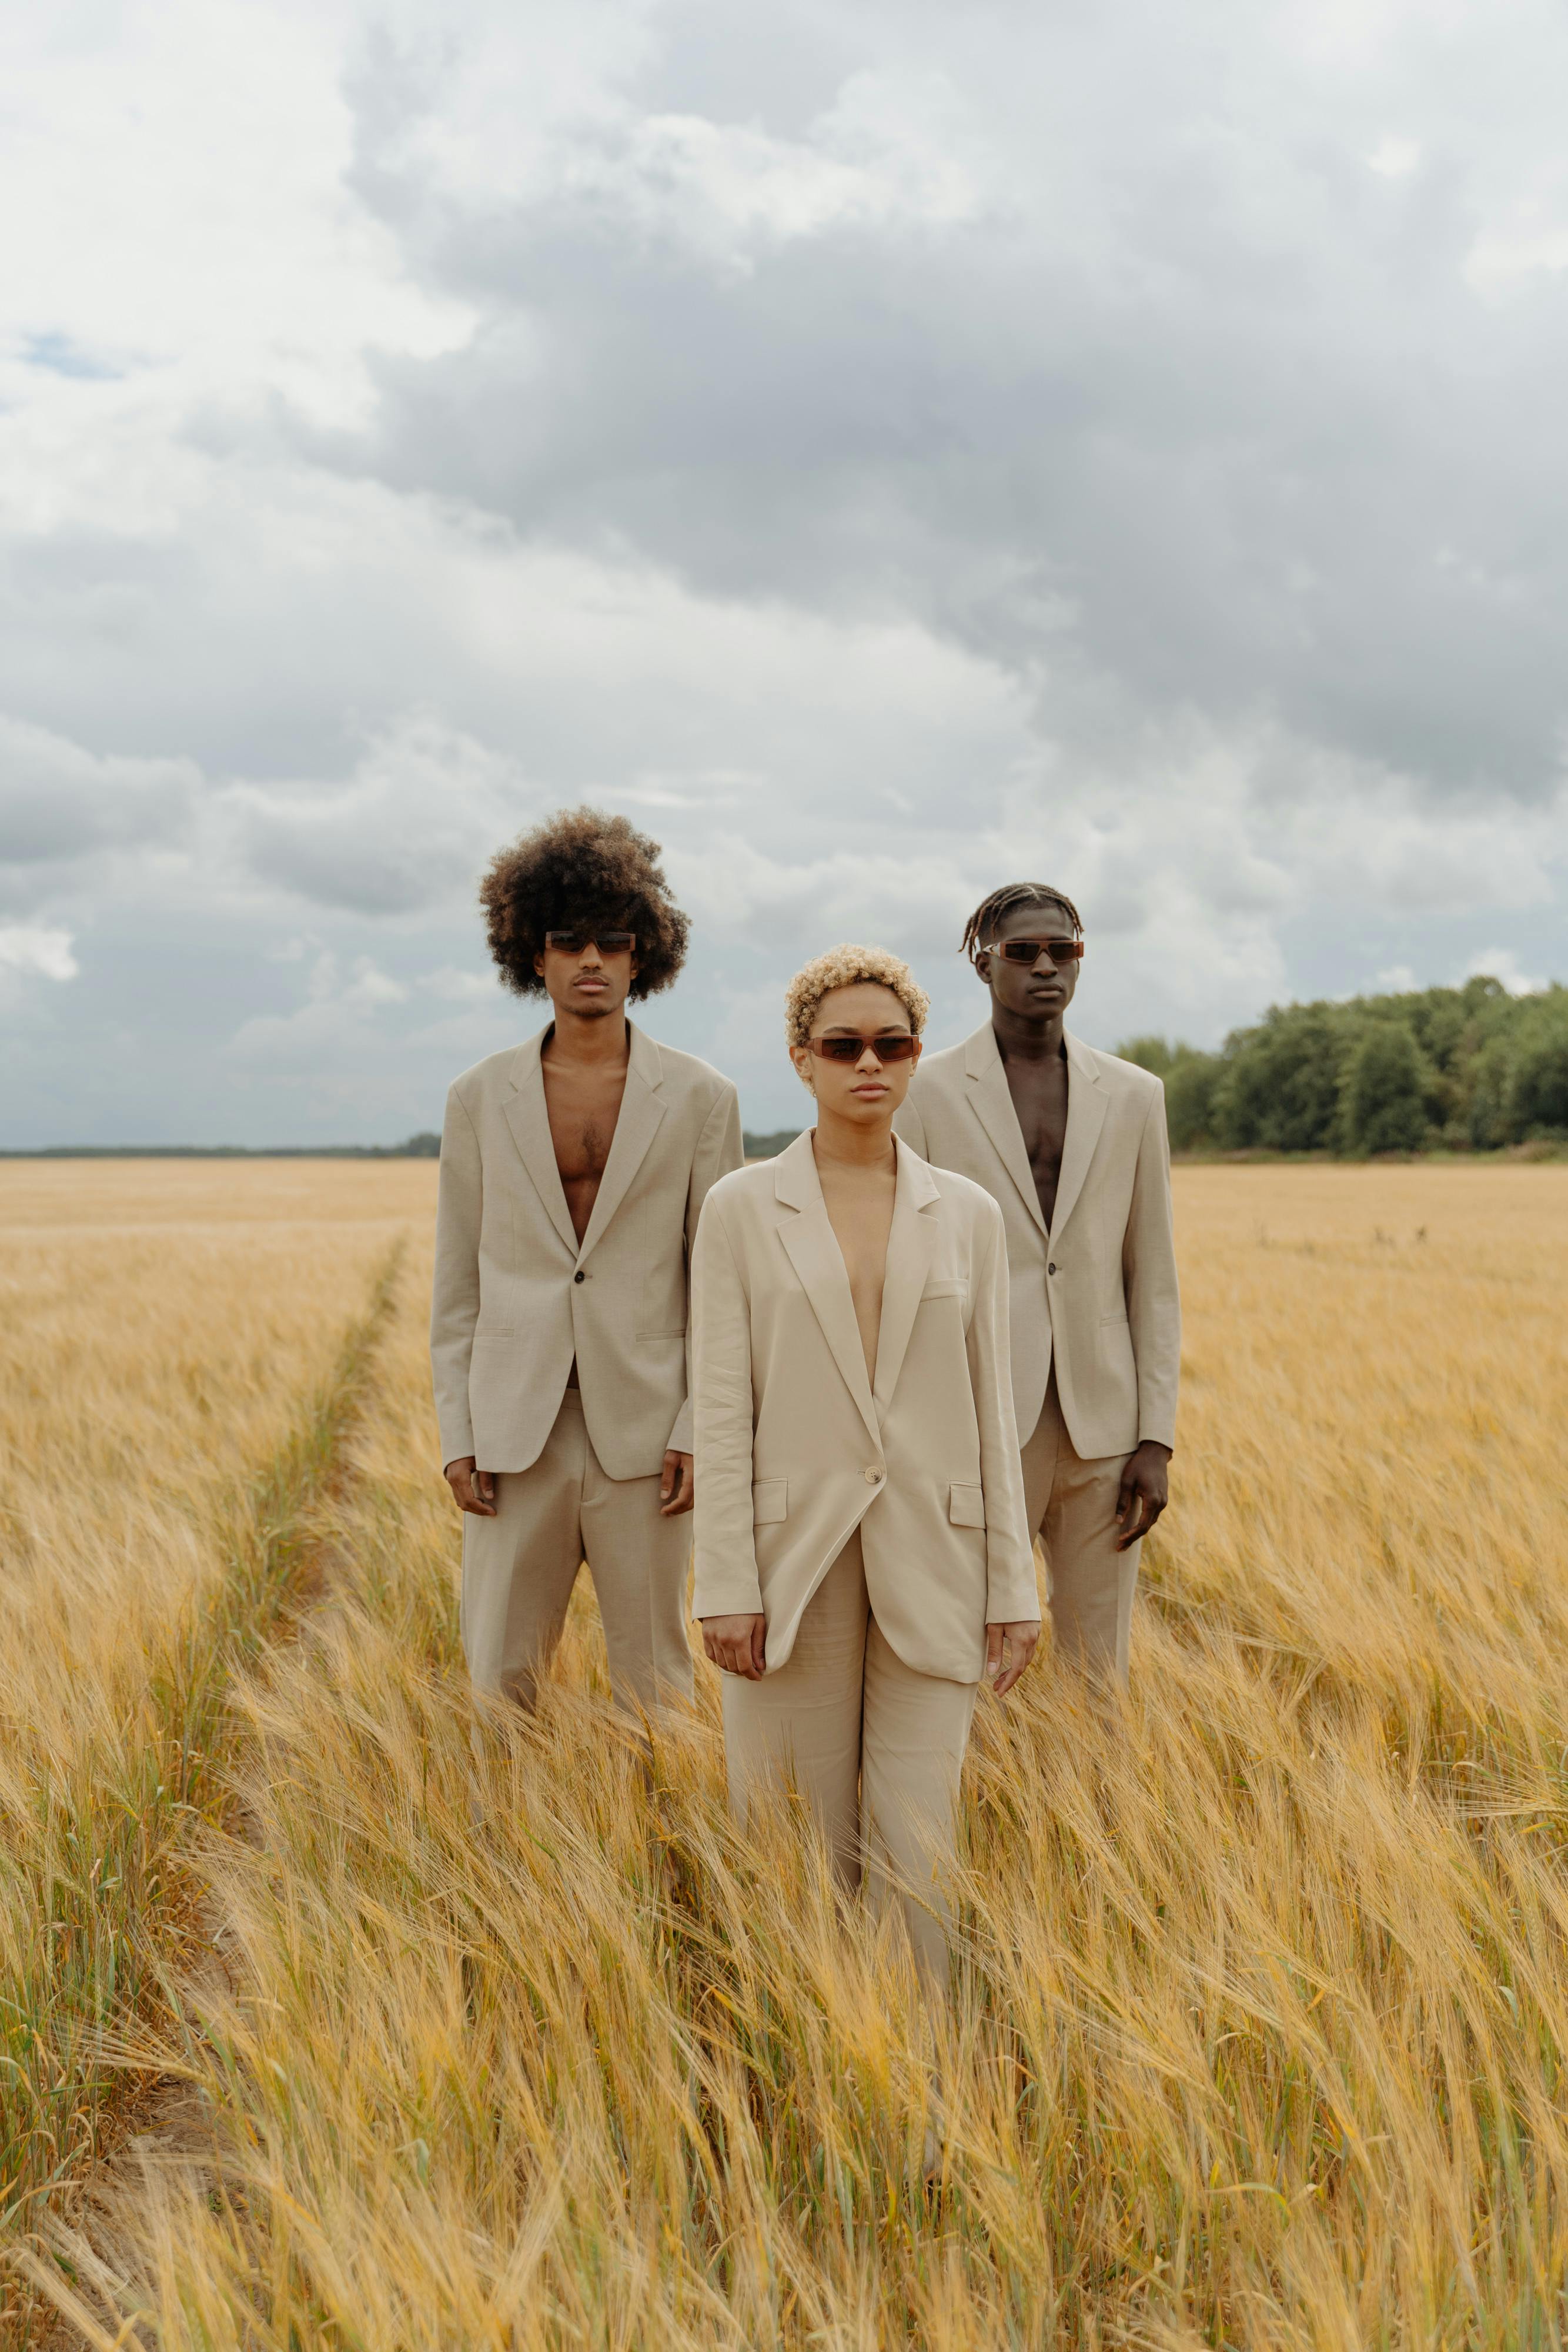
1191,1081
1383,1105
1150,1054
1191,1091
1538,1084
1281,1083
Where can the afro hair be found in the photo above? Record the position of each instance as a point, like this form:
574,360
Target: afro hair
581,866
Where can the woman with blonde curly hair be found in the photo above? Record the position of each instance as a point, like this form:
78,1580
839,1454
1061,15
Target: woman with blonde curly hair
861,1561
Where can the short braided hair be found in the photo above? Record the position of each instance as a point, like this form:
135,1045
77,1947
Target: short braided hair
989,912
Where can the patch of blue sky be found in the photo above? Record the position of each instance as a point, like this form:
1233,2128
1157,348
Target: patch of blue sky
61,356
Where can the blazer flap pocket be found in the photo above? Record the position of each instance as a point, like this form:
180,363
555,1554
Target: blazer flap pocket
942,1287
967,1506
770,1501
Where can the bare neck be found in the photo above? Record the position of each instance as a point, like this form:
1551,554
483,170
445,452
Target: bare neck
1022,1037
599,1043
851,1143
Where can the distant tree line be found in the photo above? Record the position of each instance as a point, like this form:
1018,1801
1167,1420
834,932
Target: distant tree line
424,1145
1462,1069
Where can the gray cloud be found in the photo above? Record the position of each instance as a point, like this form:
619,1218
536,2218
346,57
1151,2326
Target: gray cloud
881,447
59,803
408,830
1169,400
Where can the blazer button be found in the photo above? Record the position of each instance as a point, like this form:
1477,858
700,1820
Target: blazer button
873,1477
1049,1269
580,1276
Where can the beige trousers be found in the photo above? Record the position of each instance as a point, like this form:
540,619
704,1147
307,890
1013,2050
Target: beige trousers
518,1570
1072,1506
874,1748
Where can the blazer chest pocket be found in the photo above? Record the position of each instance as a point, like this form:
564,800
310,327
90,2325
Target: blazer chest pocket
770,1501
943,1288
967,1506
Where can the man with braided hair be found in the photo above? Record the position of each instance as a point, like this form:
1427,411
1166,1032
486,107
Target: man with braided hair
573,1169
1071,1144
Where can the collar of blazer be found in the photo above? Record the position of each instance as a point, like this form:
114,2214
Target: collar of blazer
1086,1100
815,1254
636,1124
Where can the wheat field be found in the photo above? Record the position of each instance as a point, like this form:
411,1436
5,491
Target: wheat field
334,2018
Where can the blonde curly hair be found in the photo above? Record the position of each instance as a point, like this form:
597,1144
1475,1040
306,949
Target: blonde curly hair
840,968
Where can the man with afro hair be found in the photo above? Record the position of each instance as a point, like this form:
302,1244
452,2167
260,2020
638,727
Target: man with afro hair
573,1169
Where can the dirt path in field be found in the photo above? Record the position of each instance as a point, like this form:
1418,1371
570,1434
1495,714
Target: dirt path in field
75,2270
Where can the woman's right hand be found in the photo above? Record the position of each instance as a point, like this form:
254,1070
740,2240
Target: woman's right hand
737,1644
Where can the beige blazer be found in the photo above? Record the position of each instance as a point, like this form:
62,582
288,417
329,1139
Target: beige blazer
1097,1292
795,1448
516,1297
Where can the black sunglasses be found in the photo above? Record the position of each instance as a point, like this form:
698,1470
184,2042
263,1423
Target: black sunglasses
607,942
1031,951
892,1045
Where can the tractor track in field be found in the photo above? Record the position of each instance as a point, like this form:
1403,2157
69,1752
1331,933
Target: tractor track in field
59,2244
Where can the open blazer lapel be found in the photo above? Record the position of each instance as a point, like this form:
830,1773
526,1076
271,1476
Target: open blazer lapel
637,1122
1087,1103
911,1246
993,1106
815,1252
529,1122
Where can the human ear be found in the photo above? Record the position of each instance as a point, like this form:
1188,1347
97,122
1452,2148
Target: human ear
801,1057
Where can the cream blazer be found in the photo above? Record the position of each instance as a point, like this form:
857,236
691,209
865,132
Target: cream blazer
795,1448
515,1297
1097,1292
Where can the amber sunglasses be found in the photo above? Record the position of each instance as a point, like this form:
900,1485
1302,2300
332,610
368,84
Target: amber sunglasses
607,942
1031,951
892,1045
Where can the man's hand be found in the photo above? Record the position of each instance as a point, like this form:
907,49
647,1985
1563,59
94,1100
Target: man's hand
1009,1649
1145,1491
737,1644
472,1490
676,1491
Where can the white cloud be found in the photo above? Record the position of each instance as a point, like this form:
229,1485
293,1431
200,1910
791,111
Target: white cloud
461,987
1502,963
881,451
1393,158
42,951
328,1033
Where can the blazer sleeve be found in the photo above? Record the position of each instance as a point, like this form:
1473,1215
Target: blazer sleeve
719,1151
1012,1593
455,1297
1149,1277
724,1547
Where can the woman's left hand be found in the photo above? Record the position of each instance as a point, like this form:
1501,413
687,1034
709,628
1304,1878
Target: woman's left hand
1009,1649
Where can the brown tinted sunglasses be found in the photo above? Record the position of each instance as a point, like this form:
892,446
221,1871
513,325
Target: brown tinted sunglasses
892,1045
1031,951
607,942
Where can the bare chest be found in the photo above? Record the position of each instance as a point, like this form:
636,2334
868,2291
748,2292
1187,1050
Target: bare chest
861,1216
582,1108
1038,1091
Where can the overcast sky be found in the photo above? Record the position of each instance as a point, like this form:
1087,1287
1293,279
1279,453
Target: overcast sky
884,449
